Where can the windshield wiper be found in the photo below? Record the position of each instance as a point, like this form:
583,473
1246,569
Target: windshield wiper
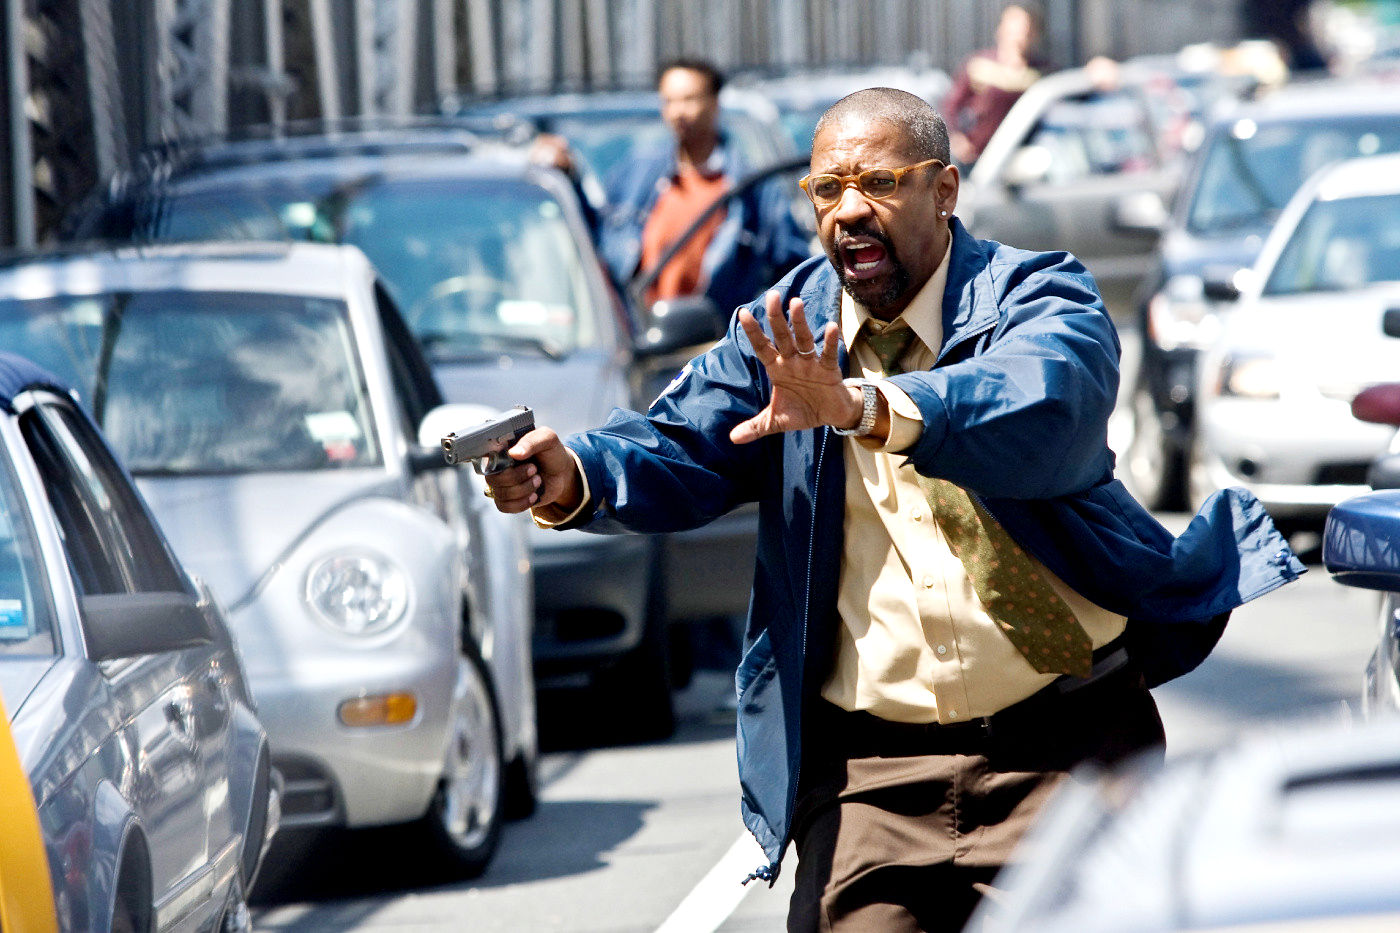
441,345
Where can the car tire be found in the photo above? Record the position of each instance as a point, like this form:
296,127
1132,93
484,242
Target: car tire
463,822
1153,466
522,786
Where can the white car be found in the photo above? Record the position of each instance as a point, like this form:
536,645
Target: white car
286,430
1305,336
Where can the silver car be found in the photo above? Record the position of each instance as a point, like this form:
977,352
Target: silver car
1276,384
285,428
150,771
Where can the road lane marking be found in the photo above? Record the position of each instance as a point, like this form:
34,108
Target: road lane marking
717,895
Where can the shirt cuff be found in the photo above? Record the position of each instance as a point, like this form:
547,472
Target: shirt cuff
551,516
906,421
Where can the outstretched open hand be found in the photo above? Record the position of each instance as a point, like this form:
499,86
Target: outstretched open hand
807,389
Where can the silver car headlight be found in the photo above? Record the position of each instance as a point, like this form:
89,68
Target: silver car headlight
357,592
1250,376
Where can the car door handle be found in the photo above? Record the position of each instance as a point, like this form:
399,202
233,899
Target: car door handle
177,713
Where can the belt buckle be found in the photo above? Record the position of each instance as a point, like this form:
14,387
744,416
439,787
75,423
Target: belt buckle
985,727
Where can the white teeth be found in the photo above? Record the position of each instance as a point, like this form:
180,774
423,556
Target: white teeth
863,266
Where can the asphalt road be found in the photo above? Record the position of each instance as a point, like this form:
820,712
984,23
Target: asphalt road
647,837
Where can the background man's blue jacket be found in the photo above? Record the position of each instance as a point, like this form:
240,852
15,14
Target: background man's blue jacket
758,240
1015,410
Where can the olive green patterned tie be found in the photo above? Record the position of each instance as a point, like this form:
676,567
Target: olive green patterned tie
1013,590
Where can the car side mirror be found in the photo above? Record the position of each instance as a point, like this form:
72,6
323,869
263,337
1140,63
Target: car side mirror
1225,283
1029,165
1356,541
676,323
125,625
1142,213
1390,322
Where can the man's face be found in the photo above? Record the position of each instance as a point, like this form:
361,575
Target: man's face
883,249
688,106
1016,29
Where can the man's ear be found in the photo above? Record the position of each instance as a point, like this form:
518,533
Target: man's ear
946,187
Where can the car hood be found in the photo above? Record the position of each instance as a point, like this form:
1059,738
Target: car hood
1331,340
569,395
233,530
1185,254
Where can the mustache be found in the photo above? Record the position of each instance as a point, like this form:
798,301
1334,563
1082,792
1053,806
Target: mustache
868,233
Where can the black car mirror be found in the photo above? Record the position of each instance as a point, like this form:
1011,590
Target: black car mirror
125,625
1224,283
1390,322
676,323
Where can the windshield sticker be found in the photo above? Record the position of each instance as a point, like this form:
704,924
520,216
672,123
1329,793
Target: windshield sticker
12,622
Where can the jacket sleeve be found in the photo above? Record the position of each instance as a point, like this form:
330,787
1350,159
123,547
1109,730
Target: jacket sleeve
1026,415
674,467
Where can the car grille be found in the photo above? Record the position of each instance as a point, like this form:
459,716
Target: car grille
1351,473
309,795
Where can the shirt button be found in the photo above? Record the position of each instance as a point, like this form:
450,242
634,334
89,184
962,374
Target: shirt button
952,714
928,582
942,649
916,515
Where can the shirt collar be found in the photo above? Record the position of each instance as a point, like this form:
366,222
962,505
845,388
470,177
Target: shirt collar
924,314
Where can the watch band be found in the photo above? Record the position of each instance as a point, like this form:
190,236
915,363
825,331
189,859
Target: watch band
870,406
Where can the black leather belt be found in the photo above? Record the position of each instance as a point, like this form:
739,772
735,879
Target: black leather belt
1052,706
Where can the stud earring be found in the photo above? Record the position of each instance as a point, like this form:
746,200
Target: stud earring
942,213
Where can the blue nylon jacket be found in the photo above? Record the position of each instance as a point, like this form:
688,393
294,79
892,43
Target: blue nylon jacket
1015,410
758,239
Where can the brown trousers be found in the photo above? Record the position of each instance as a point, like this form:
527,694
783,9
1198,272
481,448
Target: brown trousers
904,827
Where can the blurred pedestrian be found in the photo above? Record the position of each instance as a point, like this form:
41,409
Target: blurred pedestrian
657,195
955,602
991,80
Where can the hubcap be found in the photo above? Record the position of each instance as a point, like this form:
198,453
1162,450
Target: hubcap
472,777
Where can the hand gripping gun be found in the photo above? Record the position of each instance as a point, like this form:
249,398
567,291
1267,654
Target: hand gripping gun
488,443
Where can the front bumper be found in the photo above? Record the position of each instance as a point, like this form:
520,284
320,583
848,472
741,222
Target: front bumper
337,775
1299,460
591,598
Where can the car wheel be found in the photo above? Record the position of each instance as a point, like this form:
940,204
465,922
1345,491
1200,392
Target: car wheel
463,823
1155,468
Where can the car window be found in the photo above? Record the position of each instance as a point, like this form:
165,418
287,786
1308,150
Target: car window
26,611
203,382
1342,244
1102,134
111,542
477,266
414,388
1249,171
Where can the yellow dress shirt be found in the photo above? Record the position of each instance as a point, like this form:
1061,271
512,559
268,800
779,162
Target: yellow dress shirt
915,644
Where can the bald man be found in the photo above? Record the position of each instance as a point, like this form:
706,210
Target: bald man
955,602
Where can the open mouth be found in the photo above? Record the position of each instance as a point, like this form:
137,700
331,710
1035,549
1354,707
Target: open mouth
863,256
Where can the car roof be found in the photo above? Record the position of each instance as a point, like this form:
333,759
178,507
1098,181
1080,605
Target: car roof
309,269
1360,177
18,374
1340,99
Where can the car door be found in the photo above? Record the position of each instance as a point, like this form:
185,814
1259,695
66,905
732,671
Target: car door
175,705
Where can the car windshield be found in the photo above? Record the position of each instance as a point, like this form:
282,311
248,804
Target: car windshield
26,615
1339,245
477,265
207,382
1250,171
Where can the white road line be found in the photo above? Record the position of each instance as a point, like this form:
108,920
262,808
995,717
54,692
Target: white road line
711,901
